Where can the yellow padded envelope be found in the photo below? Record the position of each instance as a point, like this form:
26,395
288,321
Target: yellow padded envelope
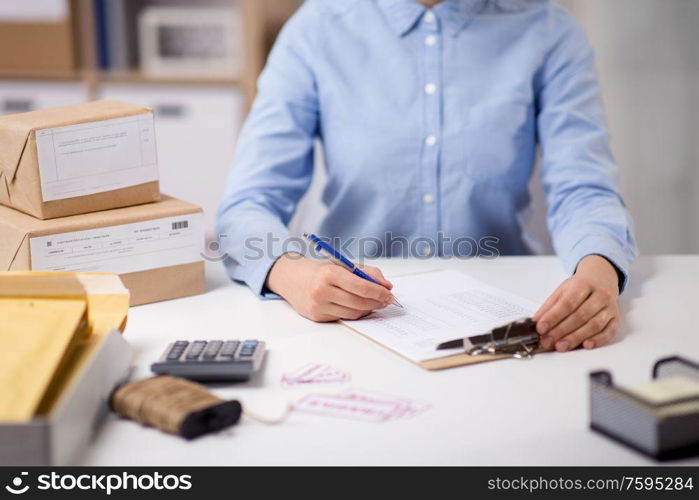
37,336
104,301
107,297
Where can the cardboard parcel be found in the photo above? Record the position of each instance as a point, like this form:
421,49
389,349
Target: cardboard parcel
156,248
78,159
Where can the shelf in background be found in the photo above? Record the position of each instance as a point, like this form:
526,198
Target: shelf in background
262,19
41,75
136,77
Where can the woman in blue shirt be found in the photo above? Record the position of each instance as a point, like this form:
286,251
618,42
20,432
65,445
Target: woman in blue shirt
430,113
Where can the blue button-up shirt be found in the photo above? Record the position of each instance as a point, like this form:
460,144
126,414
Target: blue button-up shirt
430,121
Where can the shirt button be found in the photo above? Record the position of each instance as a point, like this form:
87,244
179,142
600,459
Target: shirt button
431,140
431,41
429,17
430,88
427,198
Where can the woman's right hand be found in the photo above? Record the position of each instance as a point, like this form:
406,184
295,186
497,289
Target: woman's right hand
322,291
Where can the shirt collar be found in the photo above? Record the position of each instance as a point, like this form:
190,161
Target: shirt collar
402,15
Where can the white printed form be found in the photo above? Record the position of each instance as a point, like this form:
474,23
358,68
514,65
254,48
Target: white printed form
440,306
126,248
89,158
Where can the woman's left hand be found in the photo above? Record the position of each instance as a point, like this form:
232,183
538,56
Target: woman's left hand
583,310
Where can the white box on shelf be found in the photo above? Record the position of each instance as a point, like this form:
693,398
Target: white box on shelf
201,41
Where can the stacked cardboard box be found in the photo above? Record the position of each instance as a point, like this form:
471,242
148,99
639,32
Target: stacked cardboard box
79,185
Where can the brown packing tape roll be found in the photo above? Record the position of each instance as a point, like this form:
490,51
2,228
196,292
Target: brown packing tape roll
122,404
175,405
164,408
164,412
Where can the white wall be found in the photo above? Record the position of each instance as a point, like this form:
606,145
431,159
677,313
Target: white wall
648,60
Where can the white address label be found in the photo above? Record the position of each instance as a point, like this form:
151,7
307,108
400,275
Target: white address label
89,158
126,248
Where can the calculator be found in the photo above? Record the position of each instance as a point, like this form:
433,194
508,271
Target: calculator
211,360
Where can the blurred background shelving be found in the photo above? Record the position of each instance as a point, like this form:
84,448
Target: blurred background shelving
57,40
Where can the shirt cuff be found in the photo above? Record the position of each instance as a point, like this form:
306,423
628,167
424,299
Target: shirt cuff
602,247
254,272
258,278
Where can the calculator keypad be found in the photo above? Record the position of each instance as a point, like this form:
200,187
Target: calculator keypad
213,360
213,350
229,348
177,350
248,348
195,350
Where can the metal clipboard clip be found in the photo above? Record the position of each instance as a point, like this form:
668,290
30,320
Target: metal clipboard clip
518,339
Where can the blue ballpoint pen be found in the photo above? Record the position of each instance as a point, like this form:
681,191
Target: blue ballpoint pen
339,259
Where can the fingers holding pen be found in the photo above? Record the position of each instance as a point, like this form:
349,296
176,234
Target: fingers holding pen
345,280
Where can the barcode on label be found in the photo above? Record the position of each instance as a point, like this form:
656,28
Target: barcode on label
183,224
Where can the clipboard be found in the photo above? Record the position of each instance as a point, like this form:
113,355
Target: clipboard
500,343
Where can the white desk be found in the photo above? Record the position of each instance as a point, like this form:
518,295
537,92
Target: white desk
502,413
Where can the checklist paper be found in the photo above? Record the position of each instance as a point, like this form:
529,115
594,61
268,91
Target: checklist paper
440,306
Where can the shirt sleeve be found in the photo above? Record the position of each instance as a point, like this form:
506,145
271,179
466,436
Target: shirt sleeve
586,214
274,160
